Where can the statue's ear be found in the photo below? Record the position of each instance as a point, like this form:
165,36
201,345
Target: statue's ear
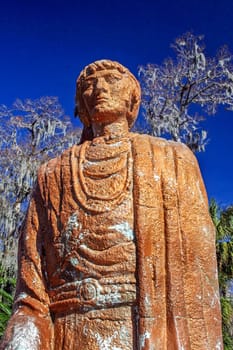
134,103
133,108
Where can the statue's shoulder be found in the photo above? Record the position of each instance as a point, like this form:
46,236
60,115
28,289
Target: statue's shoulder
54,165
158,141
182,152
177,149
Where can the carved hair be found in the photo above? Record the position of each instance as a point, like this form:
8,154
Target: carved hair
80,108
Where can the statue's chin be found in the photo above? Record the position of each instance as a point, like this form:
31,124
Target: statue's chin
103,115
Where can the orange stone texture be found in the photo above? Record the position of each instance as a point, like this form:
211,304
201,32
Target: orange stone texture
117,250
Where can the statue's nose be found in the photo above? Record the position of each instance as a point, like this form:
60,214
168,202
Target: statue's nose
102,85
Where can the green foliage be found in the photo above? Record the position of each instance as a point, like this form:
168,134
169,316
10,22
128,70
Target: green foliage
7,286
5,309
227,319
223,221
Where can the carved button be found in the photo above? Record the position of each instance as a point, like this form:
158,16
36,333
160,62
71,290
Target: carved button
87,291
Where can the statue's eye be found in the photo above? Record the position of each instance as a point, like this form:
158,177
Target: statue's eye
112,78
88,85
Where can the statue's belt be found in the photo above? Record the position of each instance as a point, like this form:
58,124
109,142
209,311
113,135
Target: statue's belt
92,294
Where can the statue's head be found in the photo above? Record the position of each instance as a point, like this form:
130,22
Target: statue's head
105,89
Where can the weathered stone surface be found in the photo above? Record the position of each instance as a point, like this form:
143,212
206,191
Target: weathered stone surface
117,250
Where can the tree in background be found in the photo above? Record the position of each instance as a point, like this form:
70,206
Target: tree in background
223,221
179,93
31,132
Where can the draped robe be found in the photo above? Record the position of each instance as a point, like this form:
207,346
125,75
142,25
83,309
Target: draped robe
177,304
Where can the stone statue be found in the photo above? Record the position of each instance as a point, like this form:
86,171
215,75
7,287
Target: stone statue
118,249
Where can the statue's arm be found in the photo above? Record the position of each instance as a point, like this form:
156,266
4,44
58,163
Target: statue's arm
192,198
30,326
191,188
198,250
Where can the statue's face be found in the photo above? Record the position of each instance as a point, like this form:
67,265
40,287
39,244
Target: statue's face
107,96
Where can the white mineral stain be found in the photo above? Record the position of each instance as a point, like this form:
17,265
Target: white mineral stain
22,296
215,300
147,299
49,169
85,330
73,222
124,334
201,197
112,297
116,144
106,343
125,229
140,173
205,230
180,346
219,345
83,245
25,336
142,339
74,261
156,177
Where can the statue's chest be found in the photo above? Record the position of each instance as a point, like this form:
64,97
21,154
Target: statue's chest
98,236
100,244
106,179
102,175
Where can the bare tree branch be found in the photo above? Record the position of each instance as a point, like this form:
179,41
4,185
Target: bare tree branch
31,132
172,92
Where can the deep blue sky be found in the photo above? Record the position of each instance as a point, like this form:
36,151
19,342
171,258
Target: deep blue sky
45,44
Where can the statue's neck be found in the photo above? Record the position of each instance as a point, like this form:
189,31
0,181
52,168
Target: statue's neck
113,130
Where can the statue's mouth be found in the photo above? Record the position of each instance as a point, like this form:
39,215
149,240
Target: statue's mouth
102,99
